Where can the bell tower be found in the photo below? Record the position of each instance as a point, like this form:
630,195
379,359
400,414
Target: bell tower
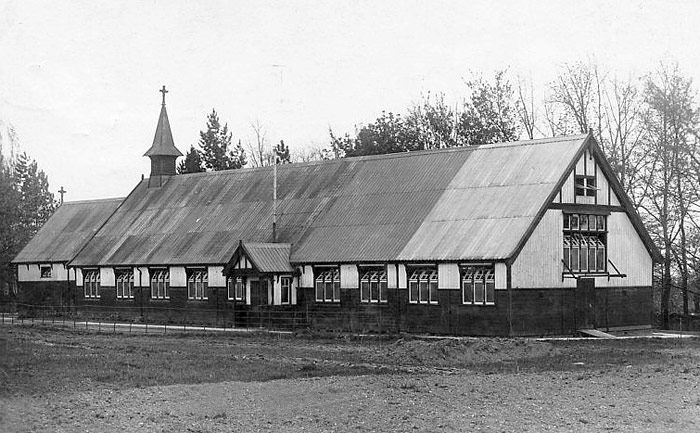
163,152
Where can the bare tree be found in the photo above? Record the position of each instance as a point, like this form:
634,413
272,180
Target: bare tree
670,124
259,148
525,107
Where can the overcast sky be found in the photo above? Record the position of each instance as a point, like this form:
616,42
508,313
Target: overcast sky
79,80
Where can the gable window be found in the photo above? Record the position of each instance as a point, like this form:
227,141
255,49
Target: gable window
478,285
125,283
585,185
373,285
91,283
327,285
286,287
585,243
160,283
236,289
197,284
45,271
423,286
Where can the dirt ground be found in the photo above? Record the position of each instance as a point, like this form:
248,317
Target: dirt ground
341,385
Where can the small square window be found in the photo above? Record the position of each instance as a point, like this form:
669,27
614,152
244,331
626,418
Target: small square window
45,271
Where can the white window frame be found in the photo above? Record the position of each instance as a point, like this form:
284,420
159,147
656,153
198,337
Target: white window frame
286,288
417,278
91,283
160,283
478,284
197,284
124,280
327,284
235,287
578,241
373,286
586,184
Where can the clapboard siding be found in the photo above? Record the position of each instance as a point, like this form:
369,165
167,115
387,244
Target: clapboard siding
539,263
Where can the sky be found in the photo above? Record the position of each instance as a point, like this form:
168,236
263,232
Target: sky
79,80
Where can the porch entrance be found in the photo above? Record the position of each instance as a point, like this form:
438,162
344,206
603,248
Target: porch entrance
259,292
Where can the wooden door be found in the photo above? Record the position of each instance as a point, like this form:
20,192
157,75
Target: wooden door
258,292
585,303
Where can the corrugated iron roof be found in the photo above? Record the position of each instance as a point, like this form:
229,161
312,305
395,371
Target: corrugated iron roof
269,257
68,229
459,203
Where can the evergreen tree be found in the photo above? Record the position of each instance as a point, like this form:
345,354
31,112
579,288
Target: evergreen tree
282,152
192,162
215,144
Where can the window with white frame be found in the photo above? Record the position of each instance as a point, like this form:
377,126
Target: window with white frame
423,286
585,186
585,243
45,271
236,288
91,283
197,283
373,285
286,288
160,283
125,283
478,285
327,284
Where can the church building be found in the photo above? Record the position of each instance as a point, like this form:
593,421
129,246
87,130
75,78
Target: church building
524,238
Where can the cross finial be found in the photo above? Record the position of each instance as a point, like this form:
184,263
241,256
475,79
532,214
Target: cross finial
62,191
163,91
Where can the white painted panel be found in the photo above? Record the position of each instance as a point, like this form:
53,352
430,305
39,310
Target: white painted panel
391,272
585,200
295,284
349,278
178,276
539,263
567,190
28,272
307,277
59,272
402,277
216,276
78,277
501,278
602,184
247,291
143,277
614,201
276,290
580,163
627,251
448,276
107,277
71,274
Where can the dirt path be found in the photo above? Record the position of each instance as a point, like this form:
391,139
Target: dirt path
623,399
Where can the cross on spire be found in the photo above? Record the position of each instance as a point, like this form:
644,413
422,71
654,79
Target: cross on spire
62,191
163,91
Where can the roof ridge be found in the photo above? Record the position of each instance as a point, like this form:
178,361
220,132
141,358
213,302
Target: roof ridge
421,152
94,200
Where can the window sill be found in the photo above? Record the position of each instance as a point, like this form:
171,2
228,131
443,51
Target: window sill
422,303
475,304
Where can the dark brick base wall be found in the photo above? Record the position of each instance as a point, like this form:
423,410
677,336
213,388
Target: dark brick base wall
524,312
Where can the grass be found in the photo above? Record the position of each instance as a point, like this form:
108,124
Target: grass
39,360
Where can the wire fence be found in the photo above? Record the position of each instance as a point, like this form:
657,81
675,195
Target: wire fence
172,319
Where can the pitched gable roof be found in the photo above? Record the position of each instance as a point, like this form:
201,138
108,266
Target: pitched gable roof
67,231
452,204
266,258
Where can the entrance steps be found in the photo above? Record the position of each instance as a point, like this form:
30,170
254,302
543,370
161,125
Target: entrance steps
596,333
